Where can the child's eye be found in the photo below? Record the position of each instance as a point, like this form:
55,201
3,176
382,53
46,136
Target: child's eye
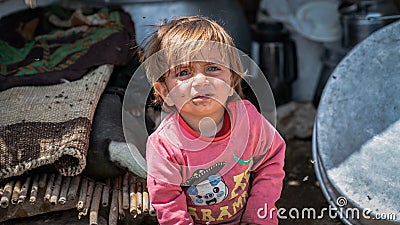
213,68
183,73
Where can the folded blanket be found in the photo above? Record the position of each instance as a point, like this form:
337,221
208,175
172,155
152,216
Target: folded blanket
49,44
49,125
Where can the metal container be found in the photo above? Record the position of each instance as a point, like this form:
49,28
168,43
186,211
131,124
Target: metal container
356,27
356,144
359,19
277,58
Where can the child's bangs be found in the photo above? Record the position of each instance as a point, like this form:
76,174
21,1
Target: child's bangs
198,51
169,59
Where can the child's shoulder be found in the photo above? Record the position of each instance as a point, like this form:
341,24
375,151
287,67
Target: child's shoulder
245,109
167,126
249,105
246,105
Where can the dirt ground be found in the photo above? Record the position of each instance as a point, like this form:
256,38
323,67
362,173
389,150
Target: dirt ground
301,188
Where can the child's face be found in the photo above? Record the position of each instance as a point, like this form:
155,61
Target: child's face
197,89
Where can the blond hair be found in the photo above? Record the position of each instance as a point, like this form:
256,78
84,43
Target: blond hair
176,41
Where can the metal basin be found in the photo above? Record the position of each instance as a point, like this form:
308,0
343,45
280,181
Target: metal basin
356,139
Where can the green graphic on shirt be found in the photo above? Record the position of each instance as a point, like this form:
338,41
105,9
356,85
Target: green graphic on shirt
241,161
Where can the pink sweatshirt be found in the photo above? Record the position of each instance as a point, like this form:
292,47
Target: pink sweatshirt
231,178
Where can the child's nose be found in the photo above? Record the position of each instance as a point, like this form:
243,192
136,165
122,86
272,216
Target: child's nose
199,78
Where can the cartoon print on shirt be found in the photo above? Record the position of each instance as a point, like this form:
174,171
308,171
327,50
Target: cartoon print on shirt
206,187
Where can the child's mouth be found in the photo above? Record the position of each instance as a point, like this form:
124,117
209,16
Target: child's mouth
201,98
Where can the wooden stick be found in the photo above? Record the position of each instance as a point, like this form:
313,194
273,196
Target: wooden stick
5,199
16,191
125,192
106,193
145,198
56,189
133,196
113,216
24,190
121,212
88,199
63,194
1,189
152,211
34,189
73,188
89,195
82,194
42,180
94,207
49,188
139,197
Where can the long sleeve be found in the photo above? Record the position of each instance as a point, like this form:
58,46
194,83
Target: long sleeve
169,201
267,183
163,181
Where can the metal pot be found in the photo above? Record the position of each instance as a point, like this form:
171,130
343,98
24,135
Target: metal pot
361,18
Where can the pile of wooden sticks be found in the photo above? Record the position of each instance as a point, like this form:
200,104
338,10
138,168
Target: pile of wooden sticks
120,194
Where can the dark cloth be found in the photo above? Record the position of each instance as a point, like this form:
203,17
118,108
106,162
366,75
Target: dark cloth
31,53
107,126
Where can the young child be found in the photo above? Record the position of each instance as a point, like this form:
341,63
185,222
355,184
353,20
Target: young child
214,159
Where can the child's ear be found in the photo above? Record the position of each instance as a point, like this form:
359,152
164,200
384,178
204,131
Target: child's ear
162,90
232,86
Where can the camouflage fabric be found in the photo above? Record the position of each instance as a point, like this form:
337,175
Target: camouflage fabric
45,45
